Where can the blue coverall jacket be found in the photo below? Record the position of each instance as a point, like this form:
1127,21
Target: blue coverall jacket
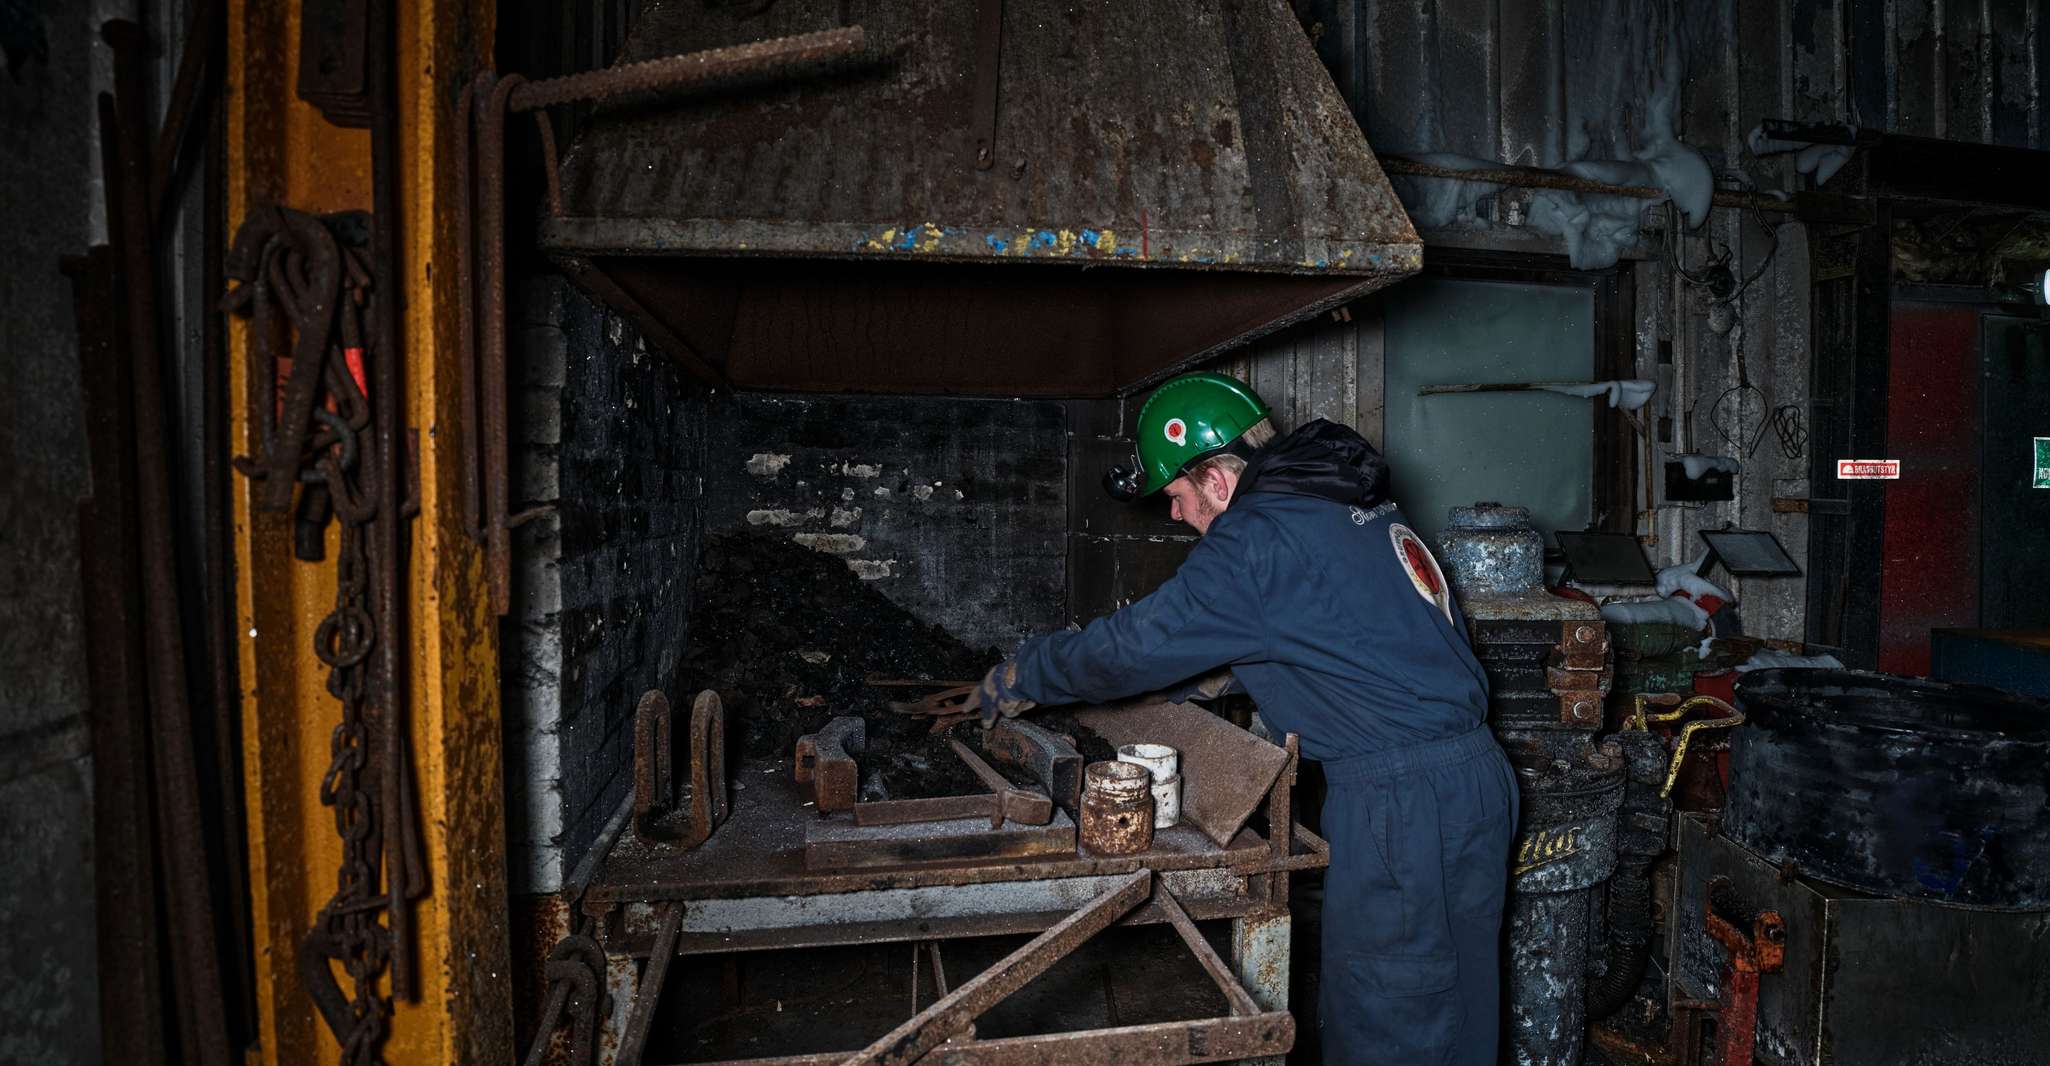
1333,615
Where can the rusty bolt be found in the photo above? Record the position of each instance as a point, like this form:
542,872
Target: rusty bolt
1585,634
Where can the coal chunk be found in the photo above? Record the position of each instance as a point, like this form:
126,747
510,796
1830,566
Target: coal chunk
790,637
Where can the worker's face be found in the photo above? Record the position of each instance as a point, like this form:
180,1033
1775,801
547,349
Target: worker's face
1199,500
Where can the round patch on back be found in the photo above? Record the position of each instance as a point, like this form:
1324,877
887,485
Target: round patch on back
1177,431
1417,562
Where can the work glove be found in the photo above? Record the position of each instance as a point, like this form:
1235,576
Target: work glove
996,697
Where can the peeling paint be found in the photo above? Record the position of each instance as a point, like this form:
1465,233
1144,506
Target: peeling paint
846,516
861,470
921,492
782,517
871,569
882,492
767,464
816,658
834,543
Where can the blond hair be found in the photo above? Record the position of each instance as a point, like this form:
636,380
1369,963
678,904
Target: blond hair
1258,435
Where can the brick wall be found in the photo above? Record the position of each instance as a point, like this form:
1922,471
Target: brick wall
613,436
955,508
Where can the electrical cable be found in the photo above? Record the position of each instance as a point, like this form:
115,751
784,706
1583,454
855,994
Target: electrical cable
1792,430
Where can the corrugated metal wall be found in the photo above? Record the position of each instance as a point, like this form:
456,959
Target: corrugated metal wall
1545,82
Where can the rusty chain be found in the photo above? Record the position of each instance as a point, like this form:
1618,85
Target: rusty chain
282,260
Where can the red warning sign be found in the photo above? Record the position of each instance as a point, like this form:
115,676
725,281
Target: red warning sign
1868,469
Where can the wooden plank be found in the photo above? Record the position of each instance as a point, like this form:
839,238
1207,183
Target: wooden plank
1708,101
1369,372
1402,84
1466,74
1531,113
1273,375
1967,107
1764,58
1915,76
2011,82
1816,83
1326,371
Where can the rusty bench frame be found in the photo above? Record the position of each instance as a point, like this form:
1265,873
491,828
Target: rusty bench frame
637,917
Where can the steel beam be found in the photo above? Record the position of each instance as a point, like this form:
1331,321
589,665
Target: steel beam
279,149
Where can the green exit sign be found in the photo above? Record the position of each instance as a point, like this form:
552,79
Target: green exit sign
2042,478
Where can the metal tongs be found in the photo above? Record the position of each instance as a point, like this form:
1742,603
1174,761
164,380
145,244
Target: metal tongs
946,707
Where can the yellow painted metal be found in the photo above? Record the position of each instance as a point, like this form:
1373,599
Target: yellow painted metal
280,150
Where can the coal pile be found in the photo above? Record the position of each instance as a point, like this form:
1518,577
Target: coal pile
790,637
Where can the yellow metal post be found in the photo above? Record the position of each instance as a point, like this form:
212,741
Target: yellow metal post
280,150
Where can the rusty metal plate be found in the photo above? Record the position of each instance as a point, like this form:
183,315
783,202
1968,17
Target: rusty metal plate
1226,771
782,237
837,843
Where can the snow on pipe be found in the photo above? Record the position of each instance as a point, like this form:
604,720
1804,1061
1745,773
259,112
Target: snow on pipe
1696,465
1628,395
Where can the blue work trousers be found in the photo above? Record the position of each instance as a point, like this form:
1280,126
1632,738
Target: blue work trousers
1420,842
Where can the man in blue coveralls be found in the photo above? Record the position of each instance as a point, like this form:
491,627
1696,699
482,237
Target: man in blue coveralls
1331,612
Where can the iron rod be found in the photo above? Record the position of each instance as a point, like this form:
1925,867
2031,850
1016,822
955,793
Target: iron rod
1540,178
778,57
183,834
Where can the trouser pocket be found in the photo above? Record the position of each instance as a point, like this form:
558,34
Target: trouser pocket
1407,1005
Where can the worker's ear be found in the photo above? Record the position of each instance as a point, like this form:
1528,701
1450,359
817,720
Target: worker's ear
1219,483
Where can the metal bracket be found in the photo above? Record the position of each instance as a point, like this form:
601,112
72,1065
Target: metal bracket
656,805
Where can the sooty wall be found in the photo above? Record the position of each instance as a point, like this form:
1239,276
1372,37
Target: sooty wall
955,508
613,436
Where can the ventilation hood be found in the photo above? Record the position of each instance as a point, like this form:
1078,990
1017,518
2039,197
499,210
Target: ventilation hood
1003,197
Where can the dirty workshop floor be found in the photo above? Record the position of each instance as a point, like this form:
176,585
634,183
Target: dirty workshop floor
834,999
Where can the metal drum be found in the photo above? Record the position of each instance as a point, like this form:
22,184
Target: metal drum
1895,785
1565,852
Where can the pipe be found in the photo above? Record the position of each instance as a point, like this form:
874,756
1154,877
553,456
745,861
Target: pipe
1627,953
181,825
1539,178
387,689
779,57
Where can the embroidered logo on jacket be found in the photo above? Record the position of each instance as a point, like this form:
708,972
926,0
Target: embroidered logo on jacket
1424,575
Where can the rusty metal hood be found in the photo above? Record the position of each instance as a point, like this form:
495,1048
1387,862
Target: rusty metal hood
1142,184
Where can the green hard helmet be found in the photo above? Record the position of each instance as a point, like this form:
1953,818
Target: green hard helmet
1186,420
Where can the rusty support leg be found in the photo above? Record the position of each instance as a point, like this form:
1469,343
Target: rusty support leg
1260,950
622,977
1234,993
635,1042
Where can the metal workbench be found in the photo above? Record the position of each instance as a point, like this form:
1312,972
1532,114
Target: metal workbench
746,888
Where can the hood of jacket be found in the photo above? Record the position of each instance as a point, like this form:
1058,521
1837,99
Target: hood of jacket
1320,459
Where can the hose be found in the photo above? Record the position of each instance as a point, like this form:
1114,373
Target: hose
1627,953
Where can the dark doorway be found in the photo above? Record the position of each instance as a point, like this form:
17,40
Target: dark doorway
2014,517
